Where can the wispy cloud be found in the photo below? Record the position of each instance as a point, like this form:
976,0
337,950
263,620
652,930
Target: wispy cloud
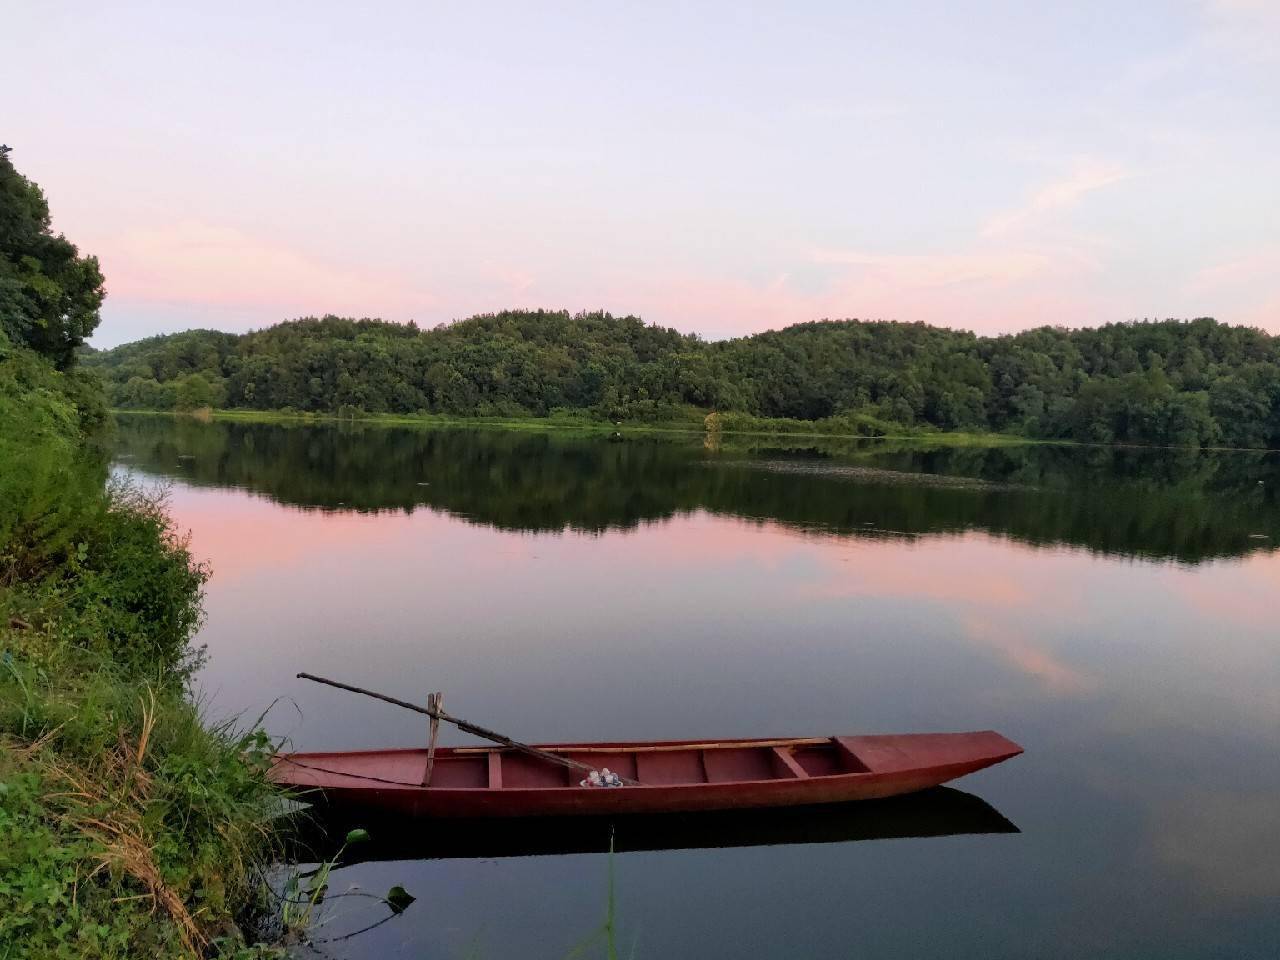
1247,29
1255,265
1061,194
933,271
209,263
1244,288
852,110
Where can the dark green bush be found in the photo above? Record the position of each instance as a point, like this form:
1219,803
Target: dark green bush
133,587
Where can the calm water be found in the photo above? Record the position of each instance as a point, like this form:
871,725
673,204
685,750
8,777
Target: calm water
1113,611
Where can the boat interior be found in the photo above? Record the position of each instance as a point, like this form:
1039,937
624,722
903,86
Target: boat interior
656,765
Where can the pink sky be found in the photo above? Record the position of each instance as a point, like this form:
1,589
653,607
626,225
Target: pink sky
721,170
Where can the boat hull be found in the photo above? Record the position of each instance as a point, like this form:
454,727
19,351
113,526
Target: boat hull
673,776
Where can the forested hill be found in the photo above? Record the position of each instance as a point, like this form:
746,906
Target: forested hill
1194,382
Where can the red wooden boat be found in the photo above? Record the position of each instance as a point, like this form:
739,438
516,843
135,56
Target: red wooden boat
667,776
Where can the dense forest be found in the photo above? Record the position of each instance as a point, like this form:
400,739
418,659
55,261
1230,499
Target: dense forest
1193,383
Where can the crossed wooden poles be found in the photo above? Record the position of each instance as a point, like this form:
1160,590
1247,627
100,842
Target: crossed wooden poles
435,710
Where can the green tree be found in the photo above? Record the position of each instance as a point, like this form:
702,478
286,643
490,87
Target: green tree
49,294
1163,382
194,392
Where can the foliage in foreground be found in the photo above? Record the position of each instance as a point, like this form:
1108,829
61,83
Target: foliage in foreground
129,827
49,294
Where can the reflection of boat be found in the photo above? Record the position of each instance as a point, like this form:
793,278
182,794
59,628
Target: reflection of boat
937,812
665,777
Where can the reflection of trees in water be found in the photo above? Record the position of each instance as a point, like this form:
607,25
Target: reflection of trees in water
1167,504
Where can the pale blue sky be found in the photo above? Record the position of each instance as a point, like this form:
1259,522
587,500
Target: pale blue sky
721,168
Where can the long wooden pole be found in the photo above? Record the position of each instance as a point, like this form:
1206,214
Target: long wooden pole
463,725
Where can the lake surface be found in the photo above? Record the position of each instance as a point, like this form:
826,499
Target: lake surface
1114,611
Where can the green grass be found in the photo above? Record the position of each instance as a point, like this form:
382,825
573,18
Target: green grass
130,825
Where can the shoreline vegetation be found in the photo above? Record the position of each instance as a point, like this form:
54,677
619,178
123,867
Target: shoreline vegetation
1196,383
695,424
131,824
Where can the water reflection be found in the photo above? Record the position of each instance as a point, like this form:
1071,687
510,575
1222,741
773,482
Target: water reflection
565,589
940,812
1160,504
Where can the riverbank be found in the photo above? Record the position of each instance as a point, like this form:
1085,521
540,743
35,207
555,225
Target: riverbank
131,825
696,422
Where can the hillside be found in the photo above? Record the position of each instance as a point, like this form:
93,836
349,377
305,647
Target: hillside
1194,383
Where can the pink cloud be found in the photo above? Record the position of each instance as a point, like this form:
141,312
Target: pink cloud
1061,194
1244,29
1243,287
1246,268
989,291
883,273
202,262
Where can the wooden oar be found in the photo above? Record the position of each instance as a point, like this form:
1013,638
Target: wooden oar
439,714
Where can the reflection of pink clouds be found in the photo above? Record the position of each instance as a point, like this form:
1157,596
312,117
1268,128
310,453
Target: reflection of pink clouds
1012,643
974,573
1039,618
993,588
1241,593
935,571
243,535
240,536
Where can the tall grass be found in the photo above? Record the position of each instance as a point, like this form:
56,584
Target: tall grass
138,827
130,825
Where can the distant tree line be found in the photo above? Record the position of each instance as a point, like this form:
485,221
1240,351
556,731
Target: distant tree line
1186,383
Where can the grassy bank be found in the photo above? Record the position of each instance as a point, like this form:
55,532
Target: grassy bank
129,825
689,421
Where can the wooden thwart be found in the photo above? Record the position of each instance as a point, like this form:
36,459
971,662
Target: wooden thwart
790,763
